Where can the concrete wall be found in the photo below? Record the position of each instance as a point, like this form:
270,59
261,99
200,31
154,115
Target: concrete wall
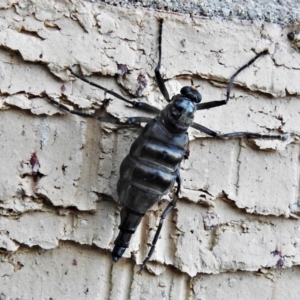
235,234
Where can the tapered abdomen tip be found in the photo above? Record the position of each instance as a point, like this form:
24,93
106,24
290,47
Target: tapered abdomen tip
115,258
117,252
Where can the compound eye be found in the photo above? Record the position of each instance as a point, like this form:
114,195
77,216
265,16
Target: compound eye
185,90
199,98
191,93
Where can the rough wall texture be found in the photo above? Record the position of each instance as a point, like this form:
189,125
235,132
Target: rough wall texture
275,11
235,234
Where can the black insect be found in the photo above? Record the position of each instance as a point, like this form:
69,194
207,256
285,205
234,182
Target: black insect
152,166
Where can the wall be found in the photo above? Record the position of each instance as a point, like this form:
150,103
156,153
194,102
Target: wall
235,232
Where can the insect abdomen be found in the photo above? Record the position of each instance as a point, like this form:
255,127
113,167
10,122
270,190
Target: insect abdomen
147,172
152,164
146,176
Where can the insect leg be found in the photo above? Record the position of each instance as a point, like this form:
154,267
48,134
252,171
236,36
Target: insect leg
133,121
249,135
204,129
170,206
222,102
159,79
137,104
253,135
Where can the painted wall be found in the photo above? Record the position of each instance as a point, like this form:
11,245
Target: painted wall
235,233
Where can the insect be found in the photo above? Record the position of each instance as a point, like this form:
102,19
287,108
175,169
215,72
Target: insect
152,166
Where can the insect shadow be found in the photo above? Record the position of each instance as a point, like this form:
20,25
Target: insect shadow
152,165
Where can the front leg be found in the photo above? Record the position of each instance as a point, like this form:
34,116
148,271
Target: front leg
133,121
159,79
137,104
213,104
